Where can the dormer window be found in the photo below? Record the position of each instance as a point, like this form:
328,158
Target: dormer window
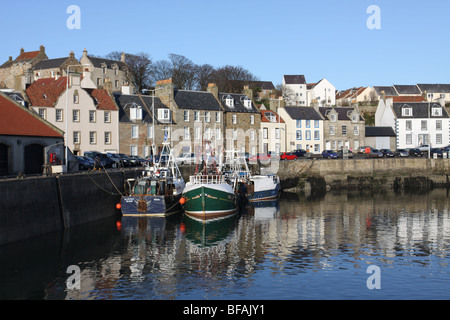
229,101
407,112
136,112
436,112
247,102
164,114
271,117
333,117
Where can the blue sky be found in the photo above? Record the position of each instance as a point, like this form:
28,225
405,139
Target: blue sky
320,39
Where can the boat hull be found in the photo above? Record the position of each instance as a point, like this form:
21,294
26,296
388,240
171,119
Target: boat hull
155,206
209,202
265,188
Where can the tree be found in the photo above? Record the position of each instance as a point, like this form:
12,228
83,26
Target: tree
183,72
232,78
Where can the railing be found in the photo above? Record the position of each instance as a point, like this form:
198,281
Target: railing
201,179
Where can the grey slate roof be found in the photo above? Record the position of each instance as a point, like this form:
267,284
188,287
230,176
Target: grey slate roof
434,88
124,101
50,63
420,110
343,112
407,89
196,100
294,79
389,91
238,104
303,113
97,62
380,132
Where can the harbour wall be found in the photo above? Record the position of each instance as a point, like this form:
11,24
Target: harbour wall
35,206
317,175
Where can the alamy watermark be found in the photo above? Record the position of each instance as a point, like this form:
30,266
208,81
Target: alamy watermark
374,280
374,20
74,280
74,20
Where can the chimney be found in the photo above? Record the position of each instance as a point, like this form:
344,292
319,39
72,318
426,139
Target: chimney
85,52
126,89
10,58
248,92
214,89
164,90
22,50
71,55
383,96
42,49
123,57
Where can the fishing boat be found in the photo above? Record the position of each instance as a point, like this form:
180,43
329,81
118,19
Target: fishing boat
210,194
158,191
261,187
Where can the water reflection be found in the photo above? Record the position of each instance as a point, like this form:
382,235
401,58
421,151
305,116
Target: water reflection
258,254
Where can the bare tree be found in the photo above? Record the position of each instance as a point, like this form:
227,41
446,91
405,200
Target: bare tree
161,70
232,78
204,76
184,72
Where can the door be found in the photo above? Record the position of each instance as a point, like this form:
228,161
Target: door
3,159
34,158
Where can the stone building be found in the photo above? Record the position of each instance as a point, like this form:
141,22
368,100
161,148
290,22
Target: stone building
50,68
102,69
15,74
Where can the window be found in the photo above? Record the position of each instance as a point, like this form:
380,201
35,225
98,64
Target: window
439,138
229,101
316,135
186,115
76,97
344,130
136,112
133,150
409,139
91,116
407,112
308,123
59,115
134,132
437,112
217,116
99,82
333,117
42,113
308,135
186,133
233,119
299,123
218,134
265,133
117,83
76,137
107,116
277,133
163,114
197,131
252,119
92,137
207,116
150,132
356,130
107,137
247,103
76,115
298,135
234,134
439,125
331,130
316,123
196,116
252,135
408,125
423,125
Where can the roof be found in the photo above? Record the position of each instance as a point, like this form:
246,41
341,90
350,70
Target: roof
300,113
380,132
343,112
407,89
50,63
264,118
350,93
238,103
17,120
46,92
98,62
125,100
294,79
434,88
102,100
389,91
407,98
420,110
196,100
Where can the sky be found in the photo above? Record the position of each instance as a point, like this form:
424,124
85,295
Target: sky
402,42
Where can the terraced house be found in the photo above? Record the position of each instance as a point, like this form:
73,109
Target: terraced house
88,116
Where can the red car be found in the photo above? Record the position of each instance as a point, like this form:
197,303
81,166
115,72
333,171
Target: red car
260,157
288,156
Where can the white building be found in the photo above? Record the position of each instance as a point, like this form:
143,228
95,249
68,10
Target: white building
415,123
296,92
273,132
322,92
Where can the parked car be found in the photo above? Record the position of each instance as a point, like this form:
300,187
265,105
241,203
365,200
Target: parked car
264,157
416,152
387,153
125,160
424,148
186,158
341,154
115,158
299,152
84,163
104,160
364,149
139,160
375,153
288,156
329,154
436,151
401,153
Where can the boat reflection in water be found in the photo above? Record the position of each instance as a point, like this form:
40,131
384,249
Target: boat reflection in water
263,210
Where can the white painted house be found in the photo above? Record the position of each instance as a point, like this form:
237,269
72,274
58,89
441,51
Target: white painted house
322,92
415,123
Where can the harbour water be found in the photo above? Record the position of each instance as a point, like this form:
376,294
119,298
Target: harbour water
339,246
